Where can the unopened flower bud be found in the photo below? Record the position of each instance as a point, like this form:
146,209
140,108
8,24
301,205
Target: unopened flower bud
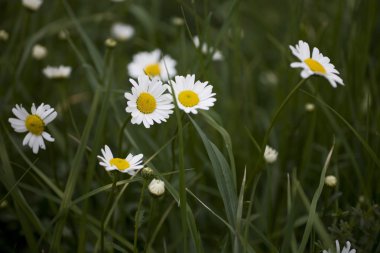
111,43
331,181
157,187
147,173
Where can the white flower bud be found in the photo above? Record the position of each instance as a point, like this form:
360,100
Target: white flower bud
331,181
32,4
4,35
309,107
270,154
157,187
39,52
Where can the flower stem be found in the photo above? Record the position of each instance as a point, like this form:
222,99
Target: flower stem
137,217
267,133
109,204
120,143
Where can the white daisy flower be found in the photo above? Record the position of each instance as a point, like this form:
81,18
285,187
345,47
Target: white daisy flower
32,4
122,32
153,65
60,72
147,102
316,65
270,154
346,249
192,95
39,52
34,124
157,187
131,164
216,56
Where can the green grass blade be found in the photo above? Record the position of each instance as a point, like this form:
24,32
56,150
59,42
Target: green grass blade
223,176
313,206
74,172
227,140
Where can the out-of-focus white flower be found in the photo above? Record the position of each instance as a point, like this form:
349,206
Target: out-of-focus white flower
268,78
317,64
270,154
34,124
346,249
152,64
63,34
33,5
216,54
39,52
309,107
331,181
157,187
4,35
122,32
60,72
177,21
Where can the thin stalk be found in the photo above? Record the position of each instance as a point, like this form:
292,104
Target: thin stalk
109,203
182,186
137,217
120,142
279,110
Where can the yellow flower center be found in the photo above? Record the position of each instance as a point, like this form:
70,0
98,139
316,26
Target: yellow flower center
146,103
315,66
34,124
188,98
121,164
152,70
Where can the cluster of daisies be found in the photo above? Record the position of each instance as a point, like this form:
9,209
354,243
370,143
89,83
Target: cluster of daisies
156,90
154,85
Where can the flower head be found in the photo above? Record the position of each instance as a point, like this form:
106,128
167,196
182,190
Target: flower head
216,54
270,154
34,124
317,64
33,5
60,72
152,65
192,96
157,187
122,32
346,249
147,102
39,52
131,164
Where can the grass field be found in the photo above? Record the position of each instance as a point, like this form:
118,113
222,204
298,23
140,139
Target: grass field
222,194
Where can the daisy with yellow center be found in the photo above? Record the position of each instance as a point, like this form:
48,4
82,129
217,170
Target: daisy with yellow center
316,64
34,124
192,96
131,164
152,64
147,102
